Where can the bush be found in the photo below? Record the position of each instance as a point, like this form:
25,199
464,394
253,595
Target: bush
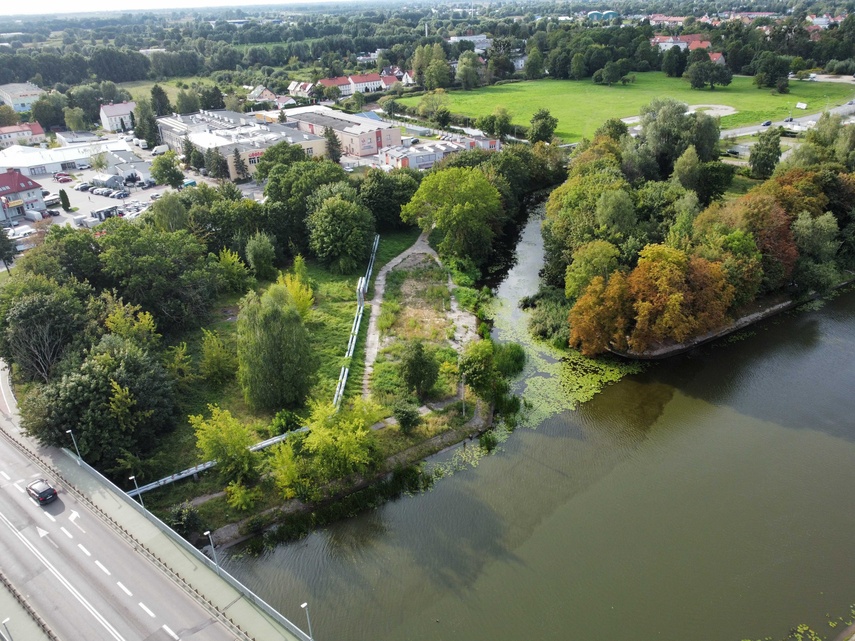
260,254
509,358
285,421
219,363
240,497
407,415
184,519
235,273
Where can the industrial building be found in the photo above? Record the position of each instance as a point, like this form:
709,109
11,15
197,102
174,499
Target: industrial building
20,95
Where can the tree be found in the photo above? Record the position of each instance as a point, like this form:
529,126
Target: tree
48,110
534,65
260,253
216,164
578,69
463,206
282,153
333,145
673,62
442,117
224,439
98,161
817,241
241,170
274,356
120,400
543,126
8,248
169,213
165,170
419,370
160,101
145,126
389,106
74,118
384,194
340,234
497,124
8,116
433,101
765,153
597,258
478,365
467,70
218,364
701,74
63,200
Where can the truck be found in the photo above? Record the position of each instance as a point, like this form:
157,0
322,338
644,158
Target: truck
160,149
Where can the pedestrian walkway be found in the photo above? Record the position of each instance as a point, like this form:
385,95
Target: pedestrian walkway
20,623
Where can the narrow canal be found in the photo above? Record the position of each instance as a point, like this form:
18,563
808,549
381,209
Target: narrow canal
707,498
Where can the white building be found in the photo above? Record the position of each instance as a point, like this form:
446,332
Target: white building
20,95
117,117
18,195
358,135
24,134
34,161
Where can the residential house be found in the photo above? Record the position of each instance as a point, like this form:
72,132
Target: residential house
117,117
20,95
301,89
366,83
261,94
409,78
25,133
18,195
718,58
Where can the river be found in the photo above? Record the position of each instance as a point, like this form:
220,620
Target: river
708,498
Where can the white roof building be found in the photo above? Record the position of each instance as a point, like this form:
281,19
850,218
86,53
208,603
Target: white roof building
117,117
33,161
20,95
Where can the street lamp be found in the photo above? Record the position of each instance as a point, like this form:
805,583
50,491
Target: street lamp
74,440
7,636
213,550
134,479
305,606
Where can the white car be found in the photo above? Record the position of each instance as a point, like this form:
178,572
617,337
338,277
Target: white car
84,166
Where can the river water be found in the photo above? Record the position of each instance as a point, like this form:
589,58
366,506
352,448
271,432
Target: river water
708,498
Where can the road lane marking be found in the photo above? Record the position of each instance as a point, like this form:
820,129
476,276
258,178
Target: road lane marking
50,516
146,610
6,476
101,565
84,550
66,532
73,518
124,589
65,582
171,633
18,487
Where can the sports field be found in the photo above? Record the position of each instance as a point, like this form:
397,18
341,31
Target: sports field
581,106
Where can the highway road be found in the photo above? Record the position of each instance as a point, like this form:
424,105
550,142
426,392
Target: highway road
79,575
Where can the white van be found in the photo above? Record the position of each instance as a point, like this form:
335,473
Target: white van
33,215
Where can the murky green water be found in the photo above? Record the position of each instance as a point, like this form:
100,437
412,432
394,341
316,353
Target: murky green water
706,499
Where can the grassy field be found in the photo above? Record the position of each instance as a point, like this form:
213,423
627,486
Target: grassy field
142,88
581,106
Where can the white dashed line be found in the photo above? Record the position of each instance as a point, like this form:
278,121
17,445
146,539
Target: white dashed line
66,532
50,516
146,610
171,633
84,550
124,589
101,565
6,476
18,487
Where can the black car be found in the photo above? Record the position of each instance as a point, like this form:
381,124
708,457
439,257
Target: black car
766,124
53,212
788,119
41,491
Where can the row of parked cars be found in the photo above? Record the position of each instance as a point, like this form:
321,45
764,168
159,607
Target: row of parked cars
103,191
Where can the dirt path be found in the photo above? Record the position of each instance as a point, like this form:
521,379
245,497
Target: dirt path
464,322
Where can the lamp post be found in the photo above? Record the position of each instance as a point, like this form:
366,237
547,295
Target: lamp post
134,479
305,606
213,550
74,440
7,635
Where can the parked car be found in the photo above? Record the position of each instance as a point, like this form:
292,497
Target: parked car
41,491
120,194
64,179
84,166
766,123
788,119
82,187
53,212
155,196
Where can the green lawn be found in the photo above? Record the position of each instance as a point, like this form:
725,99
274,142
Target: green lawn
142,88
581,106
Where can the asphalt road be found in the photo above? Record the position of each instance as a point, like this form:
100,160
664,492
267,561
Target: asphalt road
78,574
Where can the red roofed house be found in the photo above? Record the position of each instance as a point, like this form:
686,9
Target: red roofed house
366,83
342,82
117,117
27,133
19,194
699,44
388,81
718,58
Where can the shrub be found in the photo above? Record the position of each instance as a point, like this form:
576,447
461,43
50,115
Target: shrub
240,497
509,358
407,415
235,273
184,519
219,363
260,254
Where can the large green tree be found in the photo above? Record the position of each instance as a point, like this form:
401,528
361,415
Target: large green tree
275,362
419,369
282,153
160,101
464,207
543,126
333,145
765,153
224,439
145,125
165,170
340,234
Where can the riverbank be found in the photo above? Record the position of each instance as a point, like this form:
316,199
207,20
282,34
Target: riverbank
667,351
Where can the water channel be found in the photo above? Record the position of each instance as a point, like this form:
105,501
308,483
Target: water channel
707,498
